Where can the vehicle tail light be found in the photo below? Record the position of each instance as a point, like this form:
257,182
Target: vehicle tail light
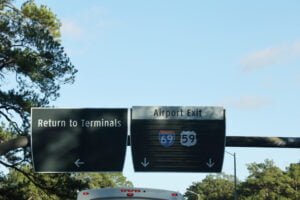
130,194
85,193
174,194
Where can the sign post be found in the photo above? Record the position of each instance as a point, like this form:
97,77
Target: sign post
178,139
78,140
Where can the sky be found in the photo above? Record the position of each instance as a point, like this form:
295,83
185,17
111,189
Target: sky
243,56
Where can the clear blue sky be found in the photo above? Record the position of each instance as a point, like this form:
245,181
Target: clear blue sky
244,56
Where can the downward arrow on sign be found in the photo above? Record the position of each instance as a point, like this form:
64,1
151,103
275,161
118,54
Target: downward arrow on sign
210,163
145,163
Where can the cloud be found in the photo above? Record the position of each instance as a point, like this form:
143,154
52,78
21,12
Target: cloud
88,25
271,56
248,102
71,29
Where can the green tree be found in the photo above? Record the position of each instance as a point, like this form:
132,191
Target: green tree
33,65
293,171
213,187
23,184
102,180
266,182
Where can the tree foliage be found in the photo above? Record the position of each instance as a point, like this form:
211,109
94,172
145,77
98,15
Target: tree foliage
213,187
33,64
293,172
265,182
23,184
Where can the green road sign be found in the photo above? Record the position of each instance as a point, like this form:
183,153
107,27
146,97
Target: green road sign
178,139
78,140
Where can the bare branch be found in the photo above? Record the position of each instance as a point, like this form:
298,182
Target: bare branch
14,124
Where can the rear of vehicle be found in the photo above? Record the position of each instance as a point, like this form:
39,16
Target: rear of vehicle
128,194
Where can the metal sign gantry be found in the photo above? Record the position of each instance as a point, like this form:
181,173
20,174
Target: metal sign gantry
162,139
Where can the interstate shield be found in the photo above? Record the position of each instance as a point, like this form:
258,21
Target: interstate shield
166,137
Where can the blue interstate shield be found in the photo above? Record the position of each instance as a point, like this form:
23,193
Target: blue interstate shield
166,137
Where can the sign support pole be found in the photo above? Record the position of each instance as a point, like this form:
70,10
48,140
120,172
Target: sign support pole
235,176
263,142
272,142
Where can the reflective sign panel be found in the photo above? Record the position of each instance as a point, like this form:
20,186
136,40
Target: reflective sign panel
76,140
178,139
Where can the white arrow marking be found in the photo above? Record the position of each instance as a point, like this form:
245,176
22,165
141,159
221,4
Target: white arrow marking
145,163
78,162
210,163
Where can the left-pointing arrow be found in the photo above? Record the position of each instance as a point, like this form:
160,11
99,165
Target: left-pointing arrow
78,162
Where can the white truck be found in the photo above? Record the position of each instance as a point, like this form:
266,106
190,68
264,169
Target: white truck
128,194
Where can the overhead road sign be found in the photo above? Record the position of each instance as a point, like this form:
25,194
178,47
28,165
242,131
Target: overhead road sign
78,140
177,139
